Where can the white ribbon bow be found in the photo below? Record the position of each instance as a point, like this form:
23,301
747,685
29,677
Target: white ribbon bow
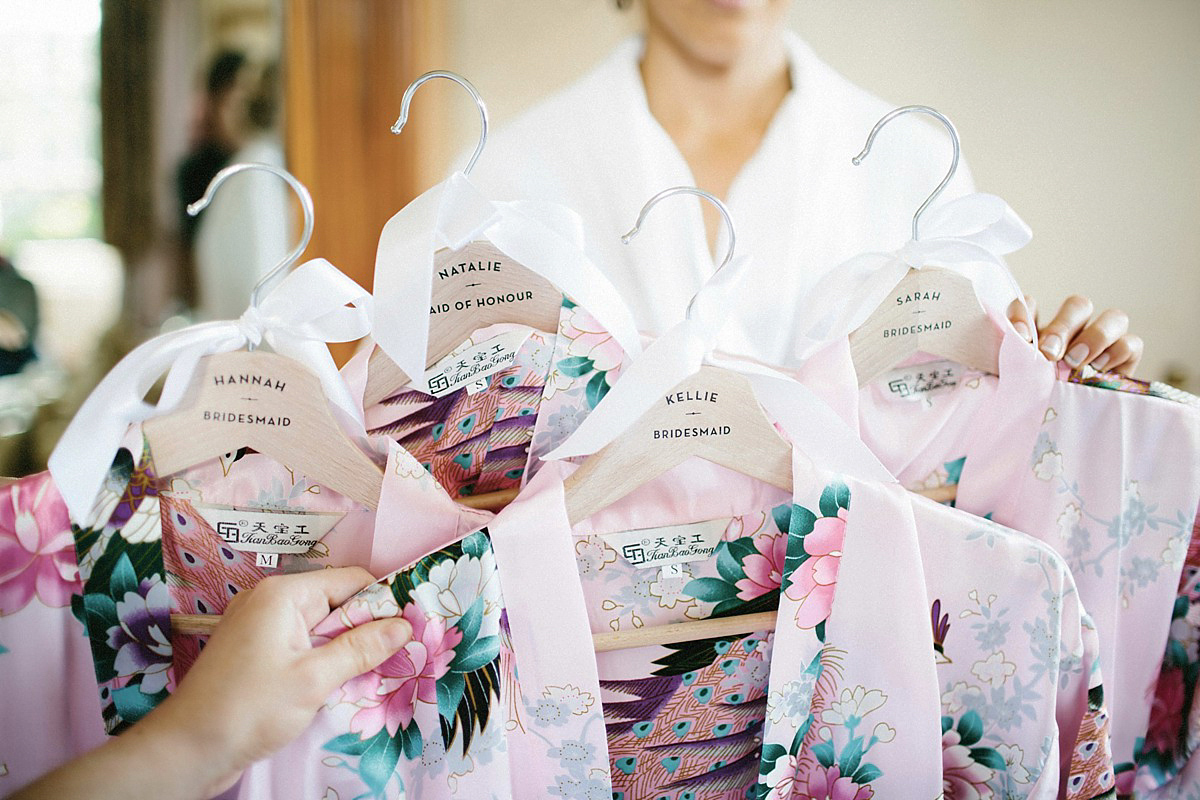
671,358
679,353
544,237
313,305
968,235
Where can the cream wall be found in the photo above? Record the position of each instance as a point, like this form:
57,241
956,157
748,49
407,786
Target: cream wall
1083,114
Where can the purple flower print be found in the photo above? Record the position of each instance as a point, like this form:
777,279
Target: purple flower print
142,646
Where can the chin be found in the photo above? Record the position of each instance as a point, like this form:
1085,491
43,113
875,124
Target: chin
719,32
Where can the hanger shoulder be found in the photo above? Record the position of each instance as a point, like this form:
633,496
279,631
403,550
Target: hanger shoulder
712,415
932,310
272,404
384,378
473,287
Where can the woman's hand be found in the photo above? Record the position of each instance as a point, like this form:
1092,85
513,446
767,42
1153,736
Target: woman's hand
1078,338
256,686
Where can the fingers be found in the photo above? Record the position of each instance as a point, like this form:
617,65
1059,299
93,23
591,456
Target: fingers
354,652
1122,356
314,594
1096,337
1071,319
1023,316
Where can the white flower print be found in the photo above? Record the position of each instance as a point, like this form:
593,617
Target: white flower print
592,554
454,586
1184,631
962,696
669,591
145,525
793,701
994,670
1014,762
852,705
1049,466
1175,552
1070,516
782,777
572,698
884,732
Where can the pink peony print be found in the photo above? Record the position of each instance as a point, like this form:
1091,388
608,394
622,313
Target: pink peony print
764,569
828,783
963,778
37,549
814,580
388,694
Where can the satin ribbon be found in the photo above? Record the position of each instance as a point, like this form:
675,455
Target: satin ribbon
544,237
671,358
968,235
678,354
313,305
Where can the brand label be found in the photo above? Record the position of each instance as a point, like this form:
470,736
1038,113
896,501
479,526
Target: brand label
922,380
470,364
259,531
662,547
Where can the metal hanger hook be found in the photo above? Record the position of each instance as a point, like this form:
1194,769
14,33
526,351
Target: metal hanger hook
940,117
306,204
406,100
710,197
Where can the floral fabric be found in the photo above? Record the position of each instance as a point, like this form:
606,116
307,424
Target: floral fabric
1108,478
490,440
810,710
1167,761
151,555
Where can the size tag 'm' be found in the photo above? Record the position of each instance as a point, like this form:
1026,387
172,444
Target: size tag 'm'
662,547
260,531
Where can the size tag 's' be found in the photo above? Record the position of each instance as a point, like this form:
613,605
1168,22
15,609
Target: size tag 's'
921,380
470,364
269,532
663,547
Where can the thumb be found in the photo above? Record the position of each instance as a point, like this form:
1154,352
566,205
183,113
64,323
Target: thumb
358,650
1021,316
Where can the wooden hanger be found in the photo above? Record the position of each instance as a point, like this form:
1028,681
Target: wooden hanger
263,401
932,310
272,404
465,285
716,400
719,402
466,281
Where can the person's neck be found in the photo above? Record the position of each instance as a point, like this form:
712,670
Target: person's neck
691,98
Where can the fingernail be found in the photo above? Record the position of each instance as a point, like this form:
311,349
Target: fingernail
398,634
1077,355
1052,346
1023,329
1101,362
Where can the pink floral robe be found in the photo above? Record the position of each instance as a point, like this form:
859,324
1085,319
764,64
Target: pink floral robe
1103,471
853,695
490,440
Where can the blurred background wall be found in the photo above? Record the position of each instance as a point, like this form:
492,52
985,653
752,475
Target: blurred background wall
1083,114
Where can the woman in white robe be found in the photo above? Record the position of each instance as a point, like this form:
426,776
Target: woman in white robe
718,94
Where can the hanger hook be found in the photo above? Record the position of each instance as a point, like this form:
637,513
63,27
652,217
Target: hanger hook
306,204
710,197
940,117
461,81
